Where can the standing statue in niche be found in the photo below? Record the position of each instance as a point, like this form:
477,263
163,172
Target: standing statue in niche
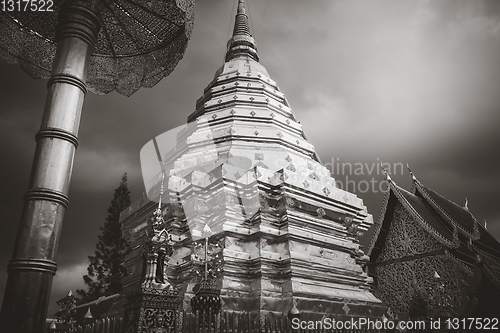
158,251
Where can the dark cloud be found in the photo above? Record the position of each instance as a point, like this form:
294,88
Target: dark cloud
413,82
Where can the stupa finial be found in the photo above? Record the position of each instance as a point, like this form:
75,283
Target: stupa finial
241,26
241,6
241,44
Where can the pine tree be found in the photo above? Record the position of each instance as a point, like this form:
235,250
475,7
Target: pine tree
106,269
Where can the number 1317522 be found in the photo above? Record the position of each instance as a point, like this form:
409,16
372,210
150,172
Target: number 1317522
26,5
472,323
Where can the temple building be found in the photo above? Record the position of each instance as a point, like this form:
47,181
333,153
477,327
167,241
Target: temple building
248,220
431,258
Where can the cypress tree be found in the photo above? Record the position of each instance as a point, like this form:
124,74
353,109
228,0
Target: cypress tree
106,269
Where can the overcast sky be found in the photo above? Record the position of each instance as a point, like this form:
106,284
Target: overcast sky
398,81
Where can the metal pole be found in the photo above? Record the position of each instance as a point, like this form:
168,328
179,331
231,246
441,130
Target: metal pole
33,265
206,257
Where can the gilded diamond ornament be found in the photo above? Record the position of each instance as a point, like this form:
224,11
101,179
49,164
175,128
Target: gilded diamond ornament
326,191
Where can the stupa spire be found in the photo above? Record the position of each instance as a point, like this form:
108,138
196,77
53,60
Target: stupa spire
241,26
241,44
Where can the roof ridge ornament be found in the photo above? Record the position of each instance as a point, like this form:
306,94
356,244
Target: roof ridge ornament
411,173
414,179
466,205
88,314
386,173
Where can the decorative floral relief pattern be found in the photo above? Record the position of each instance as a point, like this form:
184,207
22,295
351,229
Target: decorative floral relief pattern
406,237
430,284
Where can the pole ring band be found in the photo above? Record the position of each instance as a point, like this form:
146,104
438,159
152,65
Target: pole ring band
80,21
69,79
51,132
32,265
47,194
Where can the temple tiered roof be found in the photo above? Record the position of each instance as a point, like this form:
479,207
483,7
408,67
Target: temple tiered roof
423,229
443,218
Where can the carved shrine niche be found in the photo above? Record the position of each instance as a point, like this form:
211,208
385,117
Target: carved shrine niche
406,237
158,320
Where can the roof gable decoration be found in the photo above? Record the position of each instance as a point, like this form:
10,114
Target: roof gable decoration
393,188
419,188
378,225
455,243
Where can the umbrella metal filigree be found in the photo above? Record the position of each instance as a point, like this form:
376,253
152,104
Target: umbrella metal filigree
99,45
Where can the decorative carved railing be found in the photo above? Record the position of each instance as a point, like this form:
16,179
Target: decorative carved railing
106,325
233,322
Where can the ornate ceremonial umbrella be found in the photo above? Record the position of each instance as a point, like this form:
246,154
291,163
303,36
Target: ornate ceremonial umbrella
102,45
139,42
